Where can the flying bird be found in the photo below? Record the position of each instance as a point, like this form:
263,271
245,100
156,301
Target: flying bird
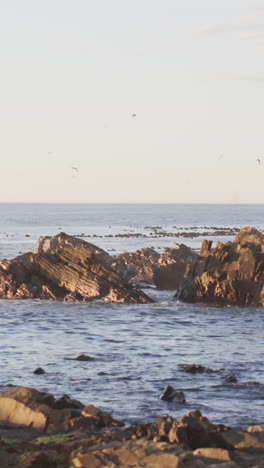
258,160
133,115
76,170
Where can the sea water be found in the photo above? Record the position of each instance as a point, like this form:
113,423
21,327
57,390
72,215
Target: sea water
138,349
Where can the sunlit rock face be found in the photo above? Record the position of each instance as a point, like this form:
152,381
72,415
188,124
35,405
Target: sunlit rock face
65,267
230,273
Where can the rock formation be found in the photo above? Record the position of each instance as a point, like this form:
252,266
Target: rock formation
230,273
38,430
165,270
137,266
64,267
172,265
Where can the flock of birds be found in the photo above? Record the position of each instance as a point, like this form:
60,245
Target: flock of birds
76,170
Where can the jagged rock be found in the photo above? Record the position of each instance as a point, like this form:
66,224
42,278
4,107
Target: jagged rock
64,267
137,266
164,270
231,273
172,266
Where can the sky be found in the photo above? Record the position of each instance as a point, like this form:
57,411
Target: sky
74,73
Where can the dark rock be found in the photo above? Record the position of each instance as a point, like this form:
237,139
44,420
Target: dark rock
231,273
195,368
172,266
82,357
39,371
170,394
231,379
64,267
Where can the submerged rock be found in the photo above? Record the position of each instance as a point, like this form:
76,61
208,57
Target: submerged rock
39,371
195,369
231,273
64,267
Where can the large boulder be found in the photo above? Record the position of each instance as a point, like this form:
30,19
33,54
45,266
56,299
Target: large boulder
65,267
230,273
172,265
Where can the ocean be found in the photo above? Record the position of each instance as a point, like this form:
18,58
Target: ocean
138,349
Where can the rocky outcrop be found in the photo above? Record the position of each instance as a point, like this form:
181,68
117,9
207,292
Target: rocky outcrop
38,430
172,266
39,410
137,266
230,273
64,267
165,270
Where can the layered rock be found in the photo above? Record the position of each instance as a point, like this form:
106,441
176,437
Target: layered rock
64,267
230,273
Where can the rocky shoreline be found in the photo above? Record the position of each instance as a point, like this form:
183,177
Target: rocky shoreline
38,430
67,268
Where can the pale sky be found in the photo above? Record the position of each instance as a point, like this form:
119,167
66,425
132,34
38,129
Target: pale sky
73,72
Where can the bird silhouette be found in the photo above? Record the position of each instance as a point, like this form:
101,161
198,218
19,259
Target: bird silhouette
258,160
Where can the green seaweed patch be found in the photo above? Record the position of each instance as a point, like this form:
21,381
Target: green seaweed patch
56,439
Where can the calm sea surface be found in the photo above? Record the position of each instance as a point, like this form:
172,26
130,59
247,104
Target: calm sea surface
138,349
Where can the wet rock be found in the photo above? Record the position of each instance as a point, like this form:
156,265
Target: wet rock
170,394
39,371
81,357
231,378
64,267
195,369
230,273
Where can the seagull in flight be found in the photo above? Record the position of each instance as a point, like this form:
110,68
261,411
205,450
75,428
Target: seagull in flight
133,115
258,160
76,170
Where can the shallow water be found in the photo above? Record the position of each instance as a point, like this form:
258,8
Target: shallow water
138,349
